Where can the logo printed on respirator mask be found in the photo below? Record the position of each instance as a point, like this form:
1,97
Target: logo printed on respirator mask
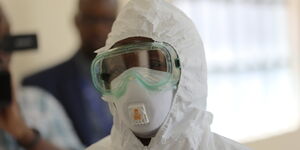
137,114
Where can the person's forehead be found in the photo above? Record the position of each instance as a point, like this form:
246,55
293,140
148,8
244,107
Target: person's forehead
132,40
2,15
4,25
98,6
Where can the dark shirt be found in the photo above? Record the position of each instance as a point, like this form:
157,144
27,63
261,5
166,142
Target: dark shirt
70,82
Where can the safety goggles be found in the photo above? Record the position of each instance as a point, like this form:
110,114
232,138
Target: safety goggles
135,61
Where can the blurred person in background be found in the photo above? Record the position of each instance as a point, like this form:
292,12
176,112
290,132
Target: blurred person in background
30,118
70,82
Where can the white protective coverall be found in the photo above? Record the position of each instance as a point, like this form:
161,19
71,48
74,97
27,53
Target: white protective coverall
187,126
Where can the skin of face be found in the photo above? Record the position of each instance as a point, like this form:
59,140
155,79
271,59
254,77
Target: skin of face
4,31
94,21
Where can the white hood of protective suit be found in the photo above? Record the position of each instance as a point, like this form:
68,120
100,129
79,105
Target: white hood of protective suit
187,126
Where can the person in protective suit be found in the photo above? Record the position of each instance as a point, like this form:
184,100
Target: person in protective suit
152,73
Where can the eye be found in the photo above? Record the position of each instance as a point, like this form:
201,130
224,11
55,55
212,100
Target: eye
105,76
115,73
155,63
158,65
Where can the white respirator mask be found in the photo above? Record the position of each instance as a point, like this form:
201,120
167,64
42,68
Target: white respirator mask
142,110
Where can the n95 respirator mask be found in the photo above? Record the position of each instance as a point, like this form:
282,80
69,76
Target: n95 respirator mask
142,110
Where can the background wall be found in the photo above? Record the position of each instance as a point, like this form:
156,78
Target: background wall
52,20
53,23
288,141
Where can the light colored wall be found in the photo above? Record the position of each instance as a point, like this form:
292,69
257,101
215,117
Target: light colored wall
288,141
52,20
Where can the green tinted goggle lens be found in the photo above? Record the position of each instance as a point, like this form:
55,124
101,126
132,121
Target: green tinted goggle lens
113,66
157,56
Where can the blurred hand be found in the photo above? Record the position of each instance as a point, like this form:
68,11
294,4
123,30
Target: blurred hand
12,122
10,117
4,60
